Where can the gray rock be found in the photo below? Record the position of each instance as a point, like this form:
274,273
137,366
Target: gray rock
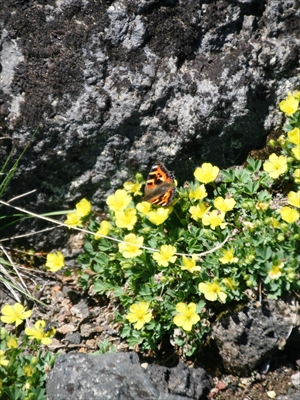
114,85
290,396
192,383
73,337
120,376
247,338
296,380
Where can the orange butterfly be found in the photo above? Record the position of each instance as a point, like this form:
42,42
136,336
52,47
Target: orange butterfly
160,188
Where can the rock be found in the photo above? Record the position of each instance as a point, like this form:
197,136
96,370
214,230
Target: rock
73,337
120,376
114,85
247,338
182,381
291,396
81,310
296,380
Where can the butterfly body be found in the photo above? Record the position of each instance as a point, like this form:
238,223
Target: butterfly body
160,188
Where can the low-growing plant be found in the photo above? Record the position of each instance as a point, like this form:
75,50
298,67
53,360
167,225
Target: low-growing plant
23,365
105,347
227,235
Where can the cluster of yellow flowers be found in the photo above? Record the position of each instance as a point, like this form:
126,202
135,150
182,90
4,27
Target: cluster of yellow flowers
83,210
125,215
205,174
16,314
186,315
289,106
55,261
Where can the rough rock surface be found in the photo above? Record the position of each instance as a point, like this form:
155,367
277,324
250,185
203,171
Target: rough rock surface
114,85
120,376
292,396
247,338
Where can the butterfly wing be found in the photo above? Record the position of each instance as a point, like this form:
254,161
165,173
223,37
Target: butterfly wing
159,188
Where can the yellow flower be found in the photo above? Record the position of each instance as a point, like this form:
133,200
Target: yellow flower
289,215
275,271
159,215
143,208
72,219
37,332
248,225
14,314
296,152
118,201
294,136
230,283
83,208
198,193
186,316
297,175
260,206
275,166
126,219
103,230
28,370
131,249
228,257
165,255
224,204
275,223
198,211
189,264
212,291
214,218
206,173
139,313
55,261
12,342
290,105
3,360
294,199
133,187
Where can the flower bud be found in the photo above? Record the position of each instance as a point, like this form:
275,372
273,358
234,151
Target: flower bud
280,237
281,140
272,143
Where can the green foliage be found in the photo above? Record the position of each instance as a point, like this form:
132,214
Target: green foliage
239,235
105,347
24,376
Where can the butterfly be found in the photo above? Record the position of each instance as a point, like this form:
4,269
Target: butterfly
160,187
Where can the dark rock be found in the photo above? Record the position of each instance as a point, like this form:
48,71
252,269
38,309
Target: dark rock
114,85
247,338
120,376
73,337
192,383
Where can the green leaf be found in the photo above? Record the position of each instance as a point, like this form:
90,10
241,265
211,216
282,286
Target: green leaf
254,165
88,247
264,253
251,187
